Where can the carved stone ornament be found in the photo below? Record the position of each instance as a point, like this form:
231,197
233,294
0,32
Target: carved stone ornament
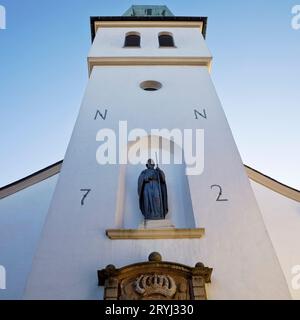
155,280
150,285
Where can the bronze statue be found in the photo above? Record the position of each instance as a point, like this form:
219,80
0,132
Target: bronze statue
152,190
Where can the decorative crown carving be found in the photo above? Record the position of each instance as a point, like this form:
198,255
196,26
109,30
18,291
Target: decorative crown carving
147,285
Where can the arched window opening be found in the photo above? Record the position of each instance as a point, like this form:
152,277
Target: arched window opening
132,39
166,39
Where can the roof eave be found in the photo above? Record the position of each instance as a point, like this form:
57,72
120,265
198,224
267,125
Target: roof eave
153,18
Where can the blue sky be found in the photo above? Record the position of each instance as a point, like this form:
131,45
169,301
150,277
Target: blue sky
43,74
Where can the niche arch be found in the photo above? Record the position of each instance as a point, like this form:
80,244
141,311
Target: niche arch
128,214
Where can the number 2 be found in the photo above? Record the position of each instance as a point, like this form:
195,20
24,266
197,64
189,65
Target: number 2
220,192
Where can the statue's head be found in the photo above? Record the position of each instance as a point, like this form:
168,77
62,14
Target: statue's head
150,164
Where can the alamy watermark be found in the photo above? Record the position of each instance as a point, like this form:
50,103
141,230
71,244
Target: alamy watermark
295,23
2,18
296,279
137,146
2,278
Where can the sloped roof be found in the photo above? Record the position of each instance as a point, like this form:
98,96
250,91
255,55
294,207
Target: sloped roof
54,169
148,11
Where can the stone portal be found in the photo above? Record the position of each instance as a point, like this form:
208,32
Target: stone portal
155,280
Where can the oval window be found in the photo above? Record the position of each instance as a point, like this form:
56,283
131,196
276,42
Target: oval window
150,85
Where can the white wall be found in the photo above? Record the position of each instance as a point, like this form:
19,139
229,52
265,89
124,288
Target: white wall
73,243
22,216
282,219
236,243
109,42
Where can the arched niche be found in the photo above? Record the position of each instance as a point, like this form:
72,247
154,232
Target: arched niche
128,214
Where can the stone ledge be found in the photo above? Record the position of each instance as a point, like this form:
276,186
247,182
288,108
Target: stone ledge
127,234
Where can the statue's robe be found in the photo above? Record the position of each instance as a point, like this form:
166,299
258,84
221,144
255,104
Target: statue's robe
153,197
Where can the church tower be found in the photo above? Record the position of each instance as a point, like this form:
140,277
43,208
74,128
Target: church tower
150,94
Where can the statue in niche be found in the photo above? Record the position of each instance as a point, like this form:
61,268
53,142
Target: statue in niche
152,191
